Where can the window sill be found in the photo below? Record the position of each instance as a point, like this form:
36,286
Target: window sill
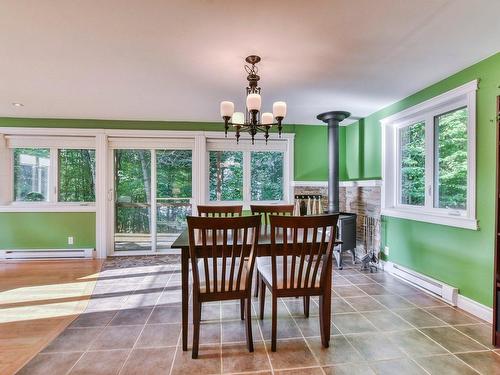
47,207
432,218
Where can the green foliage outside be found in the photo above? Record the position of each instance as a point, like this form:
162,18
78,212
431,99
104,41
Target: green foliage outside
133,191
226,175
450,180
31,174
267,176
412,141
173,190
76,175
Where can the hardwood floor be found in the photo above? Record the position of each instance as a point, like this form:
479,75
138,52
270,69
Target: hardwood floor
38,299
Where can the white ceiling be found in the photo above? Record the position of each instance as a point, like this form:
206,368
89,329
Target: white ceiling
177,59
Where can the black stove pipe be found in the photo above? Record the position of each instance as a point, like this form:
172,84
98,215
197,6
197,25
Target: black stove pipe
333,118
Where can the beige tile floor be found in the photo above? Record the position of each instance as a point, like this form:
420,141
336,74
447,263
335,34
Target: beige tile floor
379,326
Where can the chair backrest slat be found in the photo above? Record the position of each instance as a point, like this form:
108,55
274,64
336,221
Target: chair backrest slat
219,210
224,260
214,258
274,209
311,256
306,244
241,257
205,259
215,241
233,258
294,251
318,257
303,252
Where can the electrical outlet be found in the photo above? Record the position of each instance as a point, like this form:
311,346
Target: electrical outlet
386,250
70,240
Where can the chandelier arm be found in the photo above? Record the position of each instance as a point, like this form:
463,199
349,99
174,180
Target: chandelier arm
249,126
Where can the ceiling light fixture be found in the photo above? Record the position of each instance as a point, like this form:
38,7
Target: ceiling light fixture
15,104
252,120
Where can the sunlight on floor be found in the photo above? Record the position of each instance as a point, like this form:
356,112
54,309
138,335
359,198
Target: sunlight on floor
37,301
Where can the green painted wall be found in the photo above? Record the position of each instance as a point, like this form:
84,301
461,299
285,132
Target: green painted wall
311,153
50,230
460,257
28,230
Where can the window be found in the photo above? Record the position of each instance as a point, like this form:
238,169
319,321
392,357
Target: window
38,171
174,192
450,172
267,176
31,174
76,175
246,173
429,160
226,175
412,164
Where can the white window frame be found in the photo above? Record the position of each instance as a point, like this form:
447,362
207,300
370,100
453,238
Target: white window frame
102,140
54,144
462,96
152,145
245,146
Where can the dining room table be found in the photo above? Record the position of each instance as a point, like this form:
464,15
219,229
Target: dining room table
263,249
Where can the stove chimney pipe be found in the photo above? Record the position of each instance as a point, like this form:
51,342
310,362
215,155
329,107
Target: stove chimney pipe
333,118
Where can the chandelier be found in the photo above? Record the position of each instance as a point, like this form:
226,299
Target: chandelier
252,121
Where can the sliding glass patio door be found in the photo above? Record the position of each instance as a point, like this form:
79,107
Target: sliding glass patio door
174,176
152,196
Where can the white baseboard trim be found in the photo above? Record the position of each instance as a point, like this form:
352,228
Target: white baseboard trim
475,308
472,307
32,254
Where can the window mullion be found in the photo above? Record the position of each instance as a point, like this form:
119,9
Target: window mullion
429,162
153,226
247,173
54,176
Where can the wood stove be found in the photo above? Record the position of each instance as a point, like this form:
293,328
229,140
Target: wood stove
347,221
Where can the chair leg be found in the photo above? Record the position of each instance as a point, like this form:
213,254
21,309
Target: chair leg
242,309
262,299
324,323
274,323
257,282
196,327
248,323
307,301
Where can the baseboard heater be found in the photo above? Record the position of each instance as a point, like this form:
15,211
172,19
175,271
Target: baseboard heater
46,253
444,291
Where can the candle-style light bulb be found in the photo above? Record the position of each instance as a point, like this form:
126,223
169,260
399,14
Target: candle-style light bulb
238,118
266,118
254,102
279,109
226,109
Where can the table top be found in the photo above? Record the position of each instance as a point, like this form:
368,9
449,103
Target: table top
182,242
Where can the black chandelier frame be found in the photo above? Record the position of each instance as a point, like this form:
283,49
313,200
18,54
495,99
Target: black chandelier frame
252,123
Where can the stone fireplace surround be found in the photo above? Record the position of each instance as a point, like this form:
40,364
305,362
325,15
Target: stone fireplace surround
359,197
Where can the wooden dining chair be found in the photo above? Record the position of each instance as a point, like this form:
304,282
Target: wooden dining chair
265,210
301,266
219,210
222,252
